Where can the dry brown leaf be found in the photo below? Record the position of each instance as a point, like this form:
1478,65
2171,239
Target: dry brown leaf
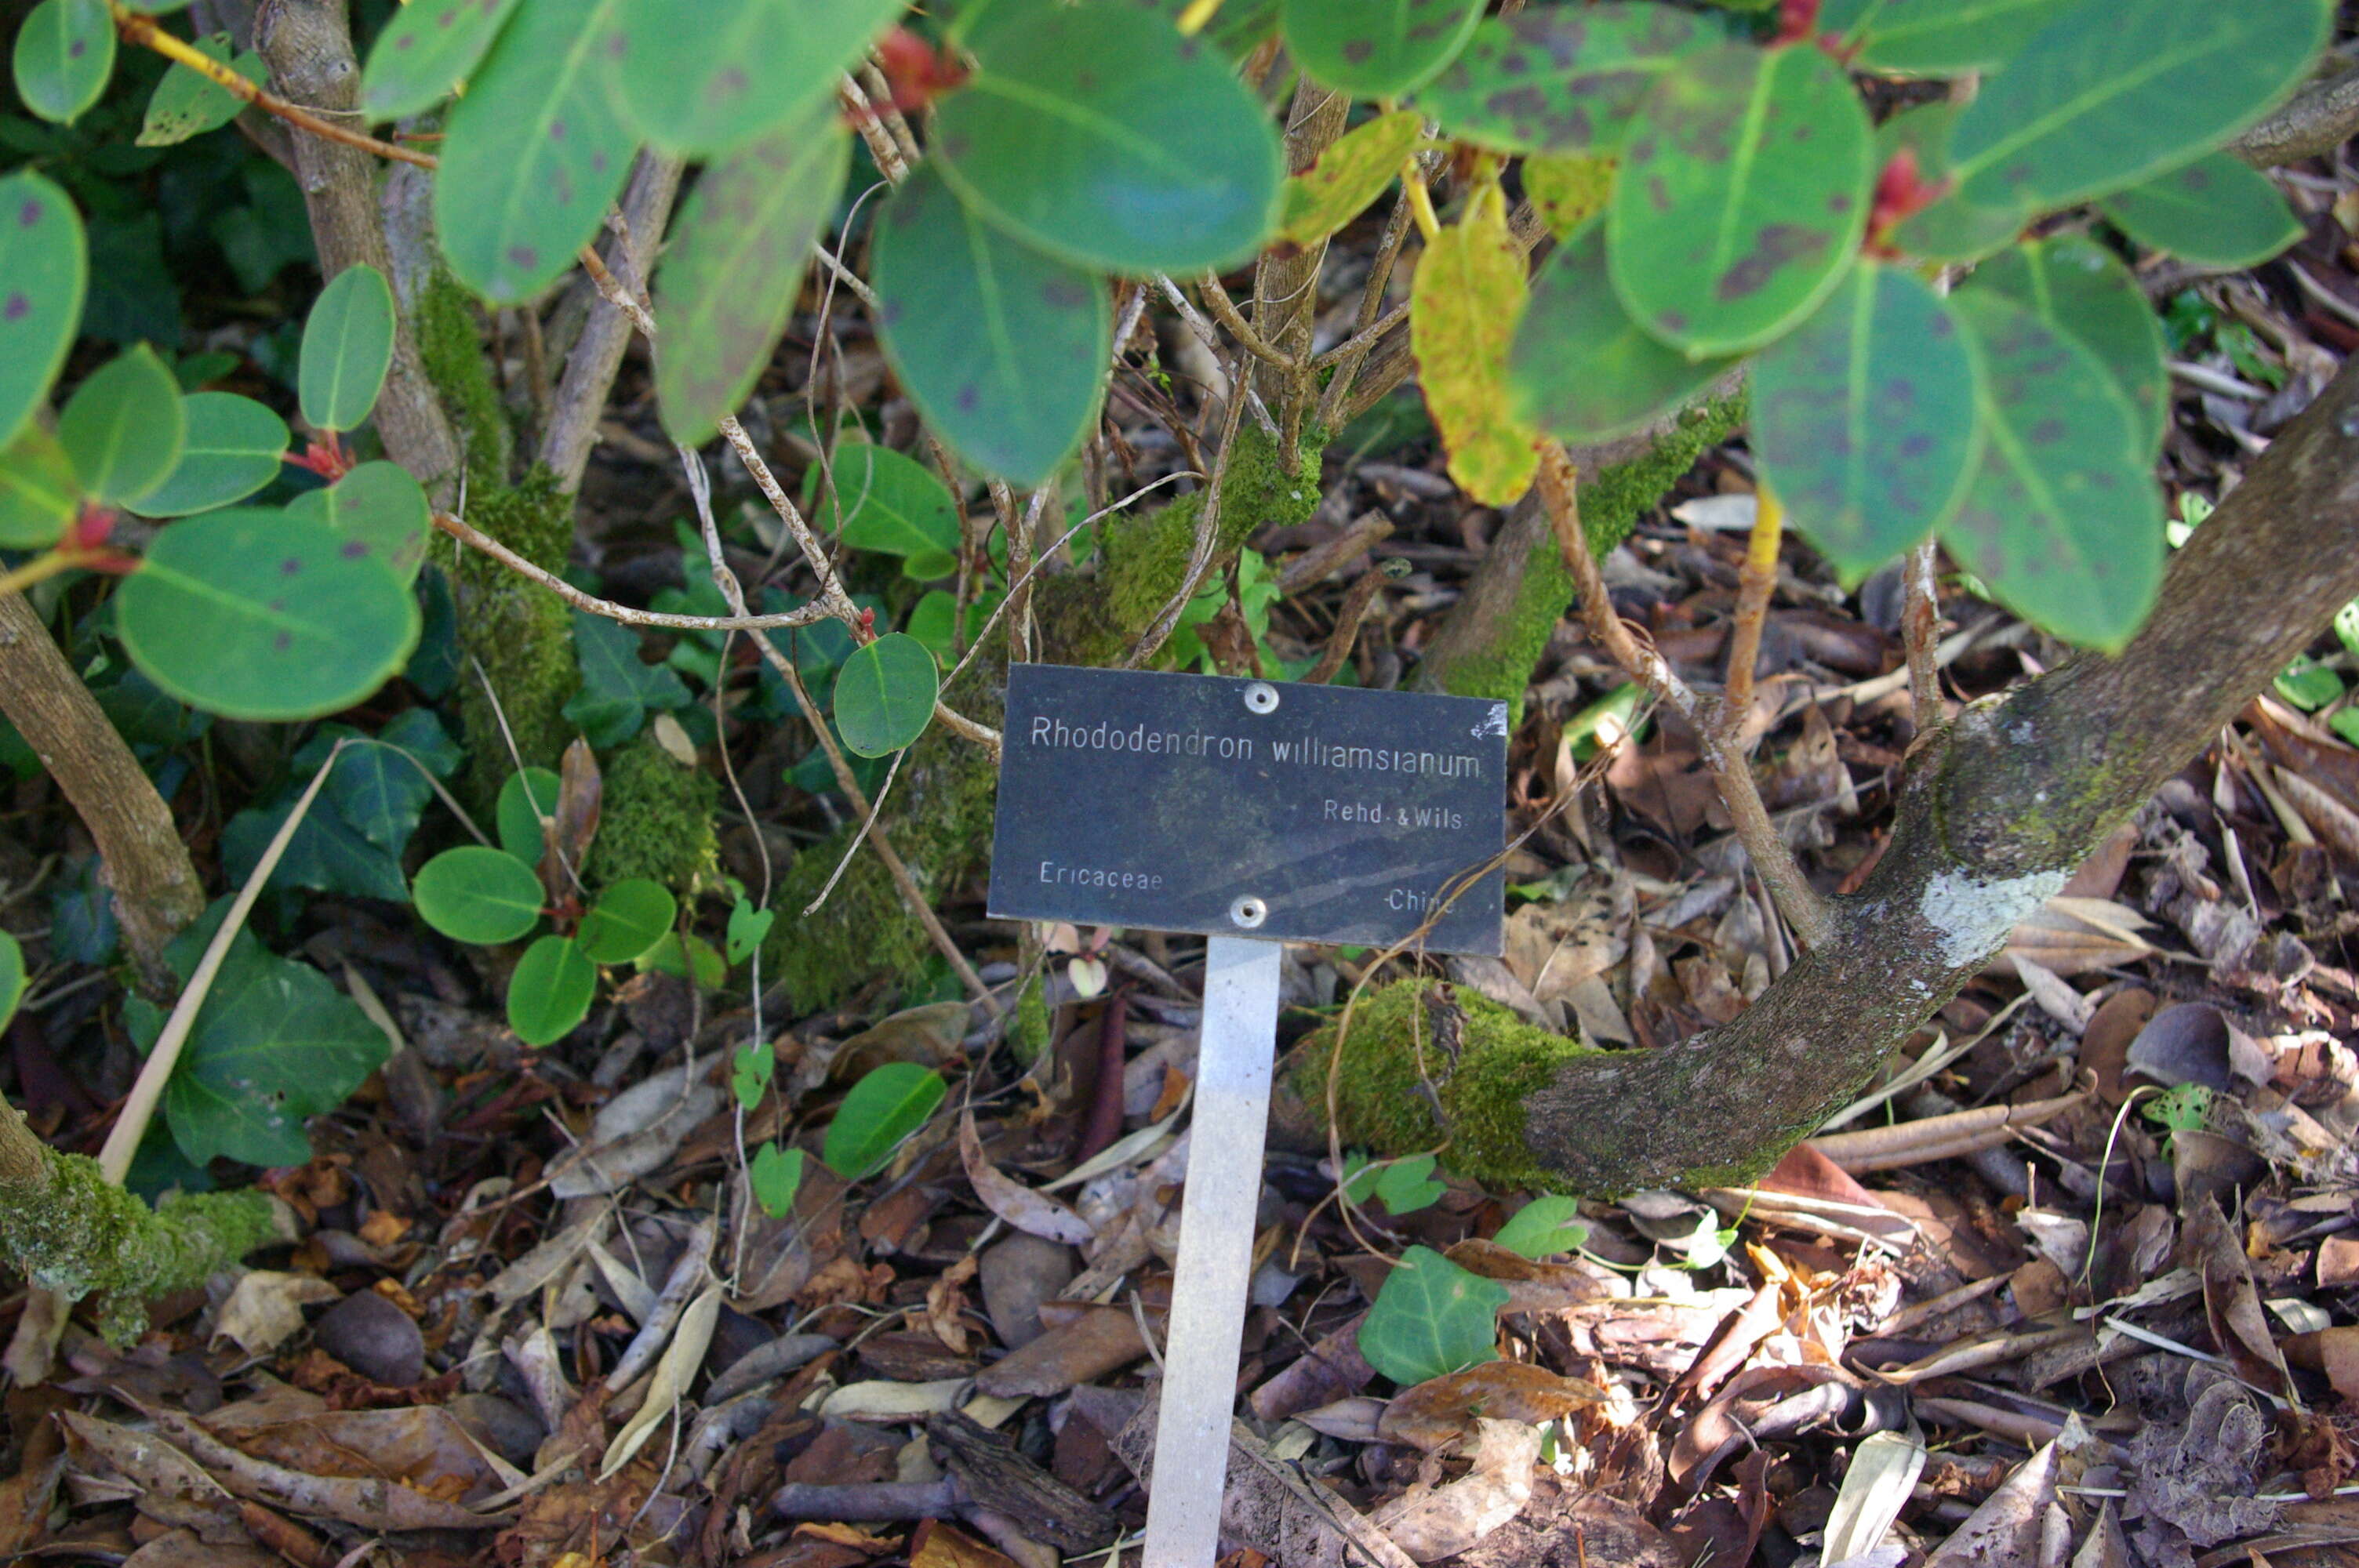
636,1131
266,1307
2334,1351
165,1483
1441,1410
1012,1201
1097,1341
2004,1532
1432,1523
937,1546
2072,937
2239,1327
369,1505
183,1548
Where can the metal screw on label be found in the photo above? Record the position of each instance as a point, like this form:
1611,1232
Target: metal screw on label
1248,911
1261,697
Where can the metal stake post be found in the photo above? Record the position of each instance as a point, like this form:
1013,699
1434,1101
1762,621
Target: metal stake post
1216,1236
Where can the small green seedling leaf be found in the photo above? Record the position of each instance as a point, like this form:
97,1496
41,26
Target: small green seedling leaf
347,348
1743,195
1937,37
2346,627
1099,134
1706,1244
2062,518
1002,348
750,1072
1347,177
65,52
734,268
885,694
748,927
426,49
188,104
2308,685
881,1113
1431,1317
37,491
535,151
529,795
12,978
777,1176
2080,290
123,428
1864,418
255,614
618,687
2217,211
477,894
1376,51
2109,95
550,992
688,955
1581,369
2344,722
379,511
630,917
1560,79
700,79
232,447
883,500
1464,304
44,273
1544,1226
1407,1185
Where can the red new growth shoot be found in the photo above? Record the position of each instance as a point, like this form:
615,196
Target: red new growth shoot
918,74
325,457
1900,192
865,631
85,542
1795,20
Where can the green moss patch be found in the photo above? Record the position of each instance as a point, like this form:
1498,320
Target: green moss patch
656,821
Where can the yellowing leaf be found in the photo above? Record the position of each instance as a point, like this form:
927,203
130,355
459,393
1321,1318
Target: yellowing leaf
1569,189
1347,177
1463,309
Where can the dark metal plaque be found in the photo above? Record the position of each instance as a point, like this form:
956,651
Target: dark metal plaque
1249,808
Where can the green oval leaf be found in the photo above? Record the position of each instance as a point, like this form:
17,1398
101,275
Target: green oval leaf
630,918
1347,177
884,502
1464,303
232,447
534,153
735,266
478,895
37,491
885,694
551,990
425,52
65,52
379,511
1100,134
1558,78
885,1108
188,104
347,348
2216,212
529,795
2060,519
1937,37
1743,195
1581,369
1376,51
1431,1317
12,978
1003,348
703,79
1864,418
2082,291
2111,94
123,427
254,615
44,273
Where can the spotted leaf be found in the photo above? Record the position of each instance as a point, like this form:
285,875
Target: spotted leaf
2216,212
2060,519
253,614
1743,195
65,52
534,153
1566,190
426,51
1937,37
703,79
1464,304
735,266
1003,348
1556,78
1864,419
377,510
2082,291
1347,177
1376,51
188,104
1581,369
44,273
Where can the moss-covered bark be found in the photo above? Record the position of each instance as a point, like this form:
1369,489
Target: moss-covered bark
520,632
655,821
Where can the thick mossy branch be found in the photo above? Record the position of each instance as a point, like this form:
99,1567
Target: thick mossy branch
519,632
452,352
656,820
75,1232
1494,640
1423,1064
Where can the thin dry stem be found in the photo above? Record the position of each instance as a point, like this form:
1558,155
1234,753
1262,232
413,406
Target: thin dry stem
467,534
1207,531
1920,628
1225,310
1754,585
144,32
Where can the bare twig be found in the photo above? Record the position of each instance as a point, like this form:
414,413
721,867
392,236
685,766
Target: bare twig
1368,330
467,534
1358,600
1225,310
572,427
1754,586
1920,627
882,150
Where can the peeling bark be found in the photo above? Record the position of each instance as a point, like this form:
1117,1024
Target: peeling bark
1996,813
